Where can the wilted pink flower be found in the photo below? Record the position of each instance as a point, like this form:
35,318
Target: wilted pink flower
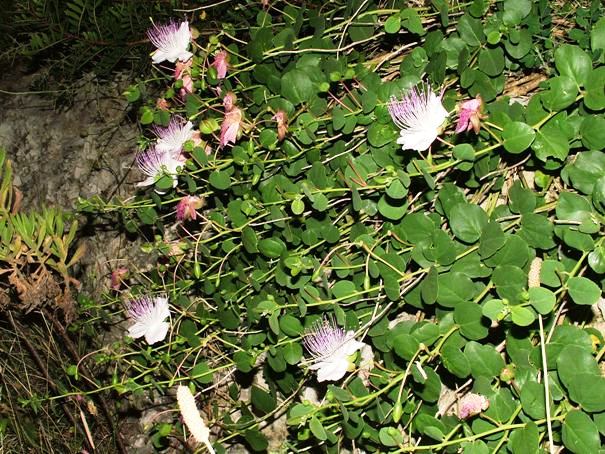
162,104
230,127
232,121
471,405
229,101
117,276
171,40
185,210
469,115
172,138
155,164
282,124
182,71
221,63
419,115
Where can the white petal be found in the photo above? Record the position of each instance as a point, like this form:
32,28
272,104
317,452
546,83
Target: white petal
146,182
332,370
158,56
137,330
156,332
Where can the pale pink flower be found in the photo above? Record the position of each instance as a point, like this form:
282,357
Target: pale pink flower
221,63
282,124
331,349
155,164
172,138
185,210
149,315
230,127
472,404
469,115
117,276
171,40
182,71
419,115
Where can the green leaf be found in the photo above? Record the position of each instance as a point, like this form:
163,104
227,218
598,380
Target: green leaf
290,325
485,361
390,436
515,11
492,239
454,288
455,361
573,62
297,87
491,61
517,136
522,316
592,131
542,300
405,346
220,180
562,93
381,134
392,209
525,440
551,142
470,30
583,291
580,434
392,24
271,247
262,400
533,400
467,222
594,96
470,319
317,429
256,440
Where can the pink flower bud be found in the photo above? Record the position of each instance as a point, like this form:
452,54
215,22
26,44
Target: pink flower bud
469,115
282,124
182,71
221,63
117,276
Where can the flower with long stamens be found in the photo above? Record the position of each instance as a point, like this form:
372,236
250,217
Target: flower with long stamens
149,315
155,164
171,40
419,115
331,349
172,138
192,418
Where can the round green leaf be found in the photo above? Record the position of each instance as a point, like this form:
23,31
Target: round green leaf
517,136
467,222
522,316
392,24
542,300
271,248
573,62
583,291
296,86
470,318
592,131
580,434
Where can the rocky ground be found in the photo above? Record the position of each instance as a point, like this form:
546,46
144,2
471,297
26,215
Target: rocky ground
61,152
